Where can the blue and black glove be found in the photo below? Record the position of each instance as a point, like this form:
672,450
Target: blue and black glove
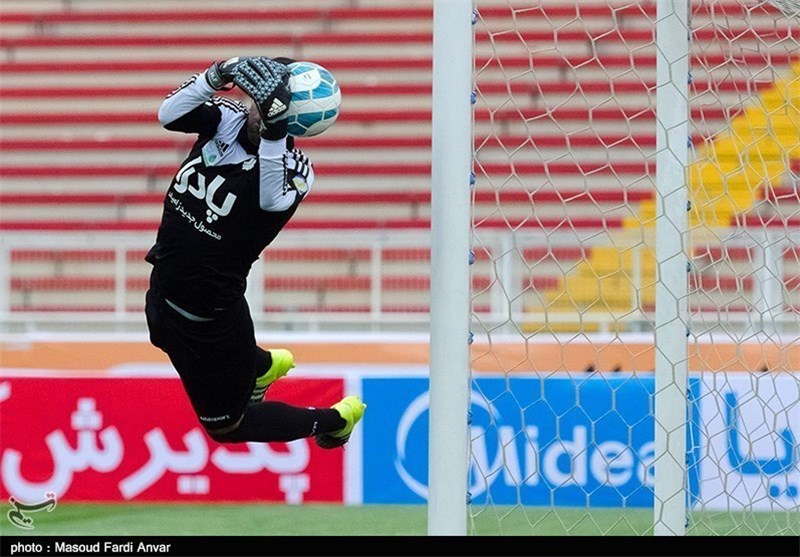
221,74
266,81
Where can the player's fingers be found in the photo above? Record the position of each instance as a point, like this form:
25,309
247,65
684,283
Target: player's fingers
252,73
261,69
269,69
276,70
244,80
248,75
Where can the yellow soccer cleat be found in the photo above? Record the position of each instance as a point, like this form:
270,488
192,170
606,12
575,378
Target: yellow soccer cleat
351,409
282,362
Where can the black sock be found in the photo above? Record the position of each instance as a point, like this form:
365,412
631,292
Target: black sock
280,422
263,361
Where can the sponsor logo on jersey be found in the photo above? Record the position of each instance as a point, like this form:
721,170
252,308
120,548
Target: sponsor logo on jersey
188,179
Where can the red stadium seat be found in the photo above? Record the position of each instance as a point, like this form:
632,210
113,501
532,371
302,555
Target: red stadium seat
536,152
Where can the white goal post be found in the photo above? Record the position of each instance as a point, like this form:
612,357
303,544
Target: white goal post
671,344
450,286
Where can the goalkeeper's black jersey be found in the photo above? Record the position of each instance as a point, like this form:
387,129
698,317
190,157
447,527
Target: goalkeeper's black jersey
226,203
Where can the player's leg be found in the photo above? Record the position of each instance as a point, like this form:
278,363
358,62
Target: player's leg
351,409
277,421
271,365
216,362
271,420
199,353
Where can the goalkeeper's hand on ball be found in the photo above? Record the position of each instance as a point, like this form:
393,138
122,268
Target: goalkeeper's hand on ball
267,83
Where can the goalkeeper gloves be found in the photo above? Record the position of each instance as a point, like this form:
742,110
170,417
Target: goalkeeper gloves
266,82
220,74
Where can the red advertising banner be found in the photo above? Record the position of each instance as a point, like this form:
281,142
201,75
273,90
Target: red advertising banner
137,439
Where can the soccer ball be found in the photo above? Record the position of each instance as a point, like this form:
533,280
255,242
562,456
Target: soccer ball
315,99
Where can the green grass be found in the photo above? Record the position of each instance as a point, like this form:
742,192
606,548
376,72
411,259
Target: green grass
383,520
627,522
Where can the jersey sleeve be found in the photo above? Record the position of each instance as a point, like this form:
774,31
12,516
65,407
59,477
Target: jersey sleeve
193,108
285,176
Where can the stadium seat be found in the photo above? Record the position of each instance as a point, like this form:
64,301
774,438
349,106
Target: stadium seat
533,149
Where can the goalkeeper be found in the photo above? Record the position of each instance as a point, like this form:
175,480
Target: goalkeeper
240,184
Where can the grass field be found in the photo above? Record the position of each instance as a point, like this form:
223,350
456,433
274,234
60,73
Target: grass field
372,520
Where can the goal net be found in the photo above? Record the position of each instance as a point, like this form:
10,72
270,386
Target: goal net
566,201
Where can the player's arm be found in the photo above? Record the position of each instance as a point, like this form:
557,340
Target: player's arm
286,175
190,109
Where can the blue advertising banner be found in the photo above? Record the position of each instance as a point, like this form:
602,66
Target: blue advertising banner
563,441
750,443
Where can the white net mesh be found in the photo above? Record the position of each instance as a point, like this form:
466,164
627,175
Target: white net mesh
564,227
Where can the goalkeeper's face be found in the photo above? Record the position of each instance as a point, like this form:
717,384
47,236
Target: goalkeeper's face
253,123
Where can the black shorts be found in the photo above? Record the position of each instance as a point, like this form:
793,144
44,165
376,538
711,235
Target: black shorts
216,360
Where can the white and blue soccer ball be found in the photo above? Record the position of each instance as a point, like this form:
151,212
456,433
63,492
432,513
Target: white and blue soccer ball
316,99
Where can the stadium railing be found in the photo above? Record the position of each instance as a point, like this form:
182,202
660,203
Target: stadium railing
361,279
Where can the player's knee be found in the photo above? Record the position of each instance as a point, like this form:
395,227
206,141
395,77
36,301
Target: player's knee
228,434
221,437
